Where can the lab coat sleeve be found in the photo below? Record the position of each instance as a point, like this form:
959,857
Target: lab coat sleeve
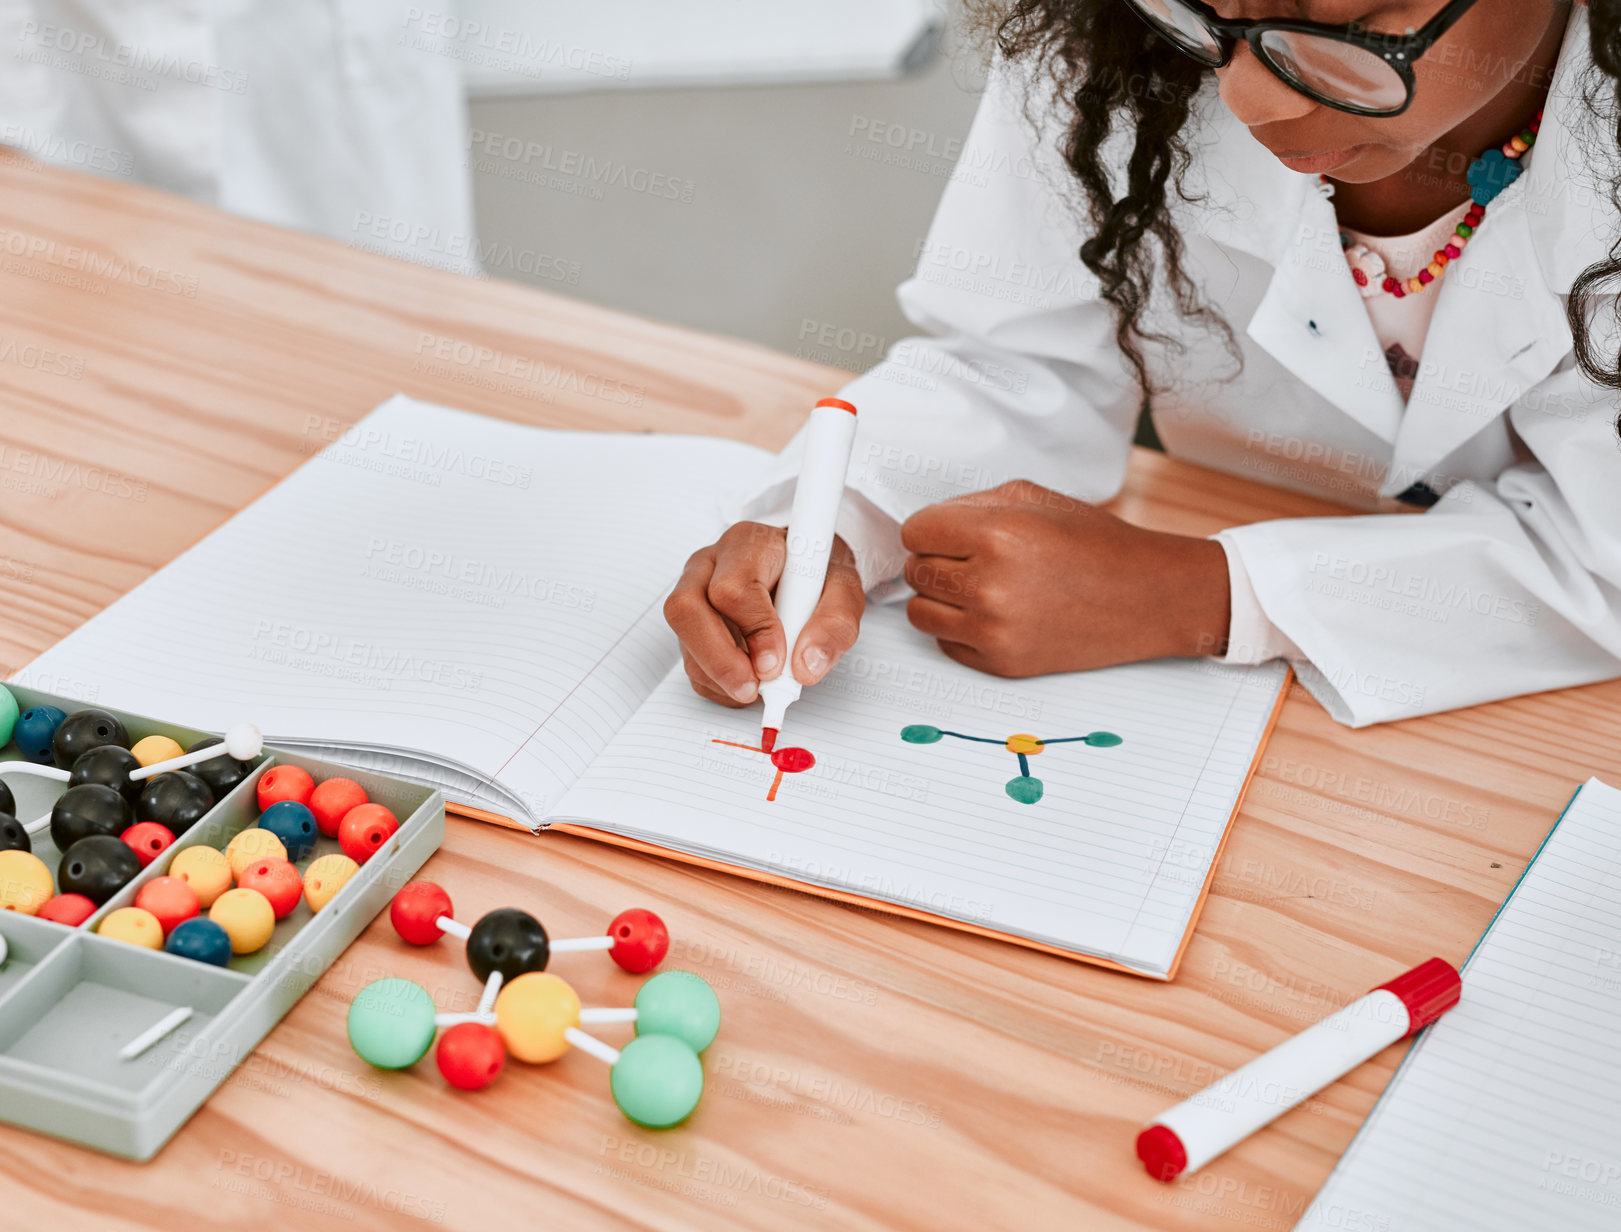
1017,374
1498,590
1251,637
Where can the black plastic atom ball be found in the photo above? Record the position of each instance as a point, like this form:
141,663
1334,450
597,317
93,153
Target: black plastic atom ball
82,731
220,773
509,941
8,802
97,867
110,765
177,799
13,837
90,808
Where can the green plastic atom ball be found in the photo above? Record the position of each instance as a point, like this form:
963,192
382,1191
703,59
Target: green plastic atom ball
391,1023
678,1003
8,715
657,1081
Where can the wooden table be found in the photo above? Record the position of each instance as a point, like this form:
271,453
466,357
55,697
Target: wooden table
160,364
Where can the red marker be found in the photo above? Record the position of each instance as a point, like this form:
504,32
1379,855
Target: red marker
830,434
1197,1130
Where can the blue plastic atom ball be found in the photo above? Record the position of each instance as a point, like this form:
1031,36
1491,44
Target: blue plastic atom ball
36,727
293,824
201,940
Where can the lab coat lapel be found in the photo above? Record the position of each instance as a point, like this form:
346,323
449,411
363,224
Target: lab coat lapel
1496,333
1313,322
1311,318
1500,328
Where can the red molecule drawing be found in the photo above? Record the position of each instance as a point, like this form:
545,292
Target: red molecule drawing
786,760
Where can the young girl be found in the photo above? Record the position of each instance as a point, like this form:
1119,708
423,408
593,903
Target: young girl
1361,248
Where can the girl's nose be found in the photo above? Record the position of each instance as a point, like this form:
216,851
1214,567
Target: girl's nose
1256,95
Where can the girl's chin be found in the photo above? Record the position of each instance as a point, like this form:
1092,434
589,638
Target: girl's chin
1324,163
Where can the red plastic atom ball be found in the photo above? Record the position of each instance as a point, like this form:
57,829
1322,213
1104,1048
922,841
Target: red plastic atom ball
284,783
640,940
70,909
148,840
278,881
331,799
414,910
171,899
364,829
471,1055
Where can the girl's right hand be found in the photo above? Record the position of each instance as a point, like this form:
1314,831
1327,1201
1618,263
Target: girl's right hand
731,638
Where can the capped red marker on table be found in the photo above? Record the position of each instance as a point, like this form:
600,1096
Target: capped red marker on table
1197,1130
830,434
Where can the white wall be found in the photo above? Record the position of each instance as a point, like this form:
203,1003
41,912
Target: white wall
765,213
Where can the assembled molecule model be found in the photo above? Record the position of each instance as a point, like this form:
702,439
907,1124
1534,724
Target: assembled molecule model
533,1016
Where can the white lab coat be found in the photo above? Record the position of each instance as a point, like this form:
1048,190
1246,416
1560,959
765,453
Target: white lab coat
340,117
1509,585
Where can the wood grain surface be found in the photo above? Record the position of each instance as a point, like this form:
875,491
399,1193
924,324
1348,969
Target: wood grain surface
161,364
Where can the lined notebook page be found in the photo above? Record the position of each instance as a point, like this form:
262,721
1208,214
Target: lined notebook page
1506,1115
1109,861
434,583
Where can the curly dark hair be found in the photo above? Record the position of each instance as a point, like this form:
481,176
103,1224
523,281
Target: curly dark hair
1106,69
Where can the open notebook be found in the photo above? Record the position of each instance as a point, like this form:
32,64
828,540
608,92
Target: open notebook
478,605
1505,1116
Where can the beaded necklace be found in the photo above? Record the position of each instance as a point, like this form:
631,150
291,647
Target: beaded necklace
1488,175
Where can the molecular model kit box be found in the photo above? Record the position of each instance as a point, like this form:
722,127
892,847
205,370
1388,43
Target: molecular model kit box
84,1053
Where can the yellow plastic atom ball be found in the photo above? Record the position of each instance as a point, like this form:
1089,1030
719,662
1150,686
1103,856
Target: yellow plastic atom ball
531,1014
325,877
205,870
153,749
247,918
250,846
135,925
25,882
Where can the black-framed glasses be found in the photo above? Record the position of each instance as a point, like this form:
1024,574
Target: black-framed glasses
1349,67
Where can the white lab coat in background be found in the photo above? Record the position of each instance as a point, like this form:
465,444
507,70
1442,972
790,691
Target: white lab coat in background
332,116
1510,584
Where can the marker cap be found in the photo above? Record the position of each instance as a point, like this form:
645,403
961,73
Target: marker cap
1428,991
1162,1152
838,402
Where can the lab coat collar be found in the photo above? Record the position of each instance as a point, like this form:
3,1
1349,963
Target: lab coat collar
1500,326
1311,317
1496,333
1571,217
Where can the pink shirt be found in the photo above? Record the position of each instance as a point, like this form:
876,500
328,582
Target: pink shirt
1400,324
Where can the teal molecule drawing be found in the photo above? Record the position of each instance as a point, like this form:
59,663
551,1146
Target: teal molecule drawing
1024,787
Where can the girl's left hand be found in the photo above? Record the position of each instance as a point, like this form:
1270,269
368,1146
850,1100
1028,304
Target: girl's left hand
1022,580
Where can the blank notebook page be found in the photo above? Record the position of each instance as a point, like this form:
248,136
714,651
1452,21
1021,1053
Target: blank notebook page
1506,1115
435,582
1110,860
